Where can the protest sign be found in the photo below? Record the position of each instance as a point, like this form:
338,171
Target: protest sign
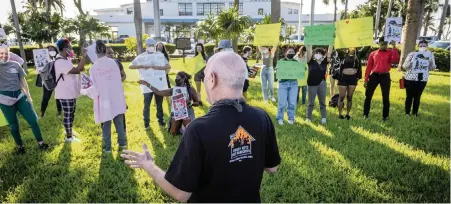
420,62
356,32
41,58
91,51
179,107
319,34
393,29
3,121
267,34
290,69
199,63
157,78
303,81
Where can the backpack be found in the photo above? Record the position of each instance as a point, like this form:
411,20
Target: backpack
48,76
334,101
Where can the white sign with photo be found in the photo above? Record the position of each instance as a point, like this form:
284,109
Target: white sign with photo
2,34
41,58
393,29
157,78
179,107
91,51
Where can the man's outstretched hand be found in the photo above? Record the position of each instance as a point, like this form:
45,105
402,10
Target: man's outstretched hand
139,160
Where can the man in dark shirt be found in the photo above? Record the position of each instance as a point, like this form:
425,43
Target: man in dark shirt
222,155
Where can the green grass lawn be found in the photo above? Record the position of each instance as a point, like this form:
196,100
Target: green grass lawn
402,160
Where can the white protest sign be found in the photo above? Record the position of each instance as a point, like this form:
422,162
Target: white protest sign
41,58
179,107
157,78
91,51
393,29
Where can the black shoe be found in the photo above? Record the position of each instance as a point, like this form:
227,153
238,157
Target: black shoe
162,123
385,119
341,117
21,150
365,116
43,146
348,117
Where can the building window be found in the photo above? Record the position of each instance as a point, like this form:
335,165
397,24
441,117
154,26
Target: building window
204,9
260,12
295,11
185,9
290,11
161,12
129,11
240,7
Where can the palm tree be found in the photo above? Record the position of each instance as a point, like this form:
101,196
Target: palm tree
442,19
410,28
326,2
430,8
19,39
231,25
138,25
207,29
48,4
345,2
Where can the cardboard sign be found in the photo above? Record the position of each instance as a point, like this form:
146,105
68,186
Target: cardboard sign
393,29
91,51
319,34
267,34
179,107
199,63
290,69
356,32
41,57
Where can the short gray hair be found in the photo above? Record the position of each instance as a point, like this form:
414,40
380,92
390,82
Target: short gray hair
229,68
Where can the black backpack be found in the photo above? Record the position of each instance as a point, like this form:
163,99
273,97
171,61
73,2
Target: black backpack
334,101
48,76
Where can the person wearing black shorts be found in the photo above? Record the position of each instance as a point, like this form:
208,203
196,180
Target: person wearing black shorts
199,76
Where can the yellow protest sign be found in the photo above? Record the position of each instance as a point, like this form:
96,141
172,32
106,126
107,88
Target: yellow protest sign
267,34
3,121
356,32
198,63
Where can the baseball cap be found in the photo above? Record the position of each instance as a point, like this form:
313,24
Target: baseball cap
225,44
150,41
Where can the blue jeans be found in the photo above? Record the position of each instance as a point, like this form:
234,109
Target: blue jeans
146,111
288,91
267,80
304,93
120,129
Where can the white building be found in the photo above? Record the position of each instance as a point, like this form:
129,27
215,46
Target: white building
175,13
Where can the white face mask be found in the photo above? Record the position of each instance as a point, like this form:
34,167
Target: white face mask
151,49
422,49
52,53
265,51
318,56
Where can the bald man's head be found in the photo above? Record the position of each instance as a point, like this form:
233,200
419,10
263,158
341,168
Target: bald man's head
224,76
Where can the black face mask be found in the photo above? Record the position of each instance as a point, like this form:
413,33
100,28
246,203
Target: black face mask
179,82
290,56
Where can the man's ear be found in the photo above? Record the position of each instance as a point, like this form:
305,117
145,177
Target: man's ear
214,80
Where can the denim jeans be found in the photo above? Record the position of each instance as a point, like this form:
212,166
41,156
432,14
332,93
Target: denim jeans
146,111
288,91
120,129
267,80
320,91
304,93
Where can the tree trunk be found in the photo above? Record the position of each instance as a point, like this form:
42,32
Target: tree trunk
19,38
410,28
388,13
420,17
442,19
335,10
138,26
275,16
156,20
426,26
34,4
236,7
346,9
47,6
378,17
79,7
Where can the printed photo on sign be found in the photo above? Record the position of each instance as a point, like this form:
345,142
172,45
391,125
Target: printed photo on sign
179,107
393,29
240,145
85,81
420,62
2,34
41,58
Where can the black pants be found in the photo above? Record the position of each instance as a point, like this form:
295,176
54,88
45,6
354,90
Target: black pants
414,89
385,82
47,94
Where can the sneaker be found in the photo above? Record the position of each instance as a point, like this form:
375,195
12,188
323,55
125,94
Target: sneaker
106,151
43,146
341,117
290,122
348,117
72,139
408,115
280,122
21,150
323,121
273,99
308,120
59,115
147,127
162,123
385,119
365,116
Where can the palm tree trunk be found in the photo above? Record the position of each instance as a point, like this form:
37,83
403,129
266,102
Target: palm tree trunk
378,17
47,6
346,9
420,18
388,13
34,4
442,19
427,20
275,16
138,26
411,28
335,10
236,7
19,38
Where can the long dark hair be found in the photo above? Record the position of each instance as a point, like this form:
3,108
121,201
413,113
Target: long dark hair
203,50
187,83
164,51
100,47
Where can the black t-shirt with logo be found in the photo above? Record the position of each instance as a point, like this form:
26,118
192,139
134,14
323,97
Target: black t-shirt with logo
317,72
222,155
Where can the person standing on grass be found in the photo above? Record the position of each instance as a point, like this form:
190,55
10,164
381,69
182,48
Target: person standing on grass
301,56
288,90
108,95
418,64
199,76
15,97
68,83
47,94
247,51
334,69
316,81
233,140
350,72
378,72
161,48
110,54
148,94
267,73
191,99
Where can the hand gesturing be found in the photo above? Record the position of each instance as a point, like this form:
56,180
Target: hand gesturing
138,160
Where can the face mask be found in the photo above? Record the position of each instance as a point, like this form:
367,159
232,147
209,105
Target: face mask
265,51
178,82
52,53
70,54
422,49
151,49
318,56
290,56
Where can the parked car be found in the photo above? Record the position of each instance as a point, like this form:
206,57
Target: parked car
441,44
429,39
296,37
120,39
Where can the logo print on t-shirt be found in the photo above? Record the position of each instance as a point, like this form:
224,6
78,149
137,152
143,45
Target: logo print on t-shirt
240,145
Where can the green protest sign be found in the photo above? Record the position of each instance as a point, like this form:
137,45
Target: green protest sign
290,69
319,34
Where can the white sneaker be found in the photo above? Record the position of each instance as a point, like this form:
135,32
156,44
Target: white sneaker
323,121
290,122
308,120
280,122
273,99
72,139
